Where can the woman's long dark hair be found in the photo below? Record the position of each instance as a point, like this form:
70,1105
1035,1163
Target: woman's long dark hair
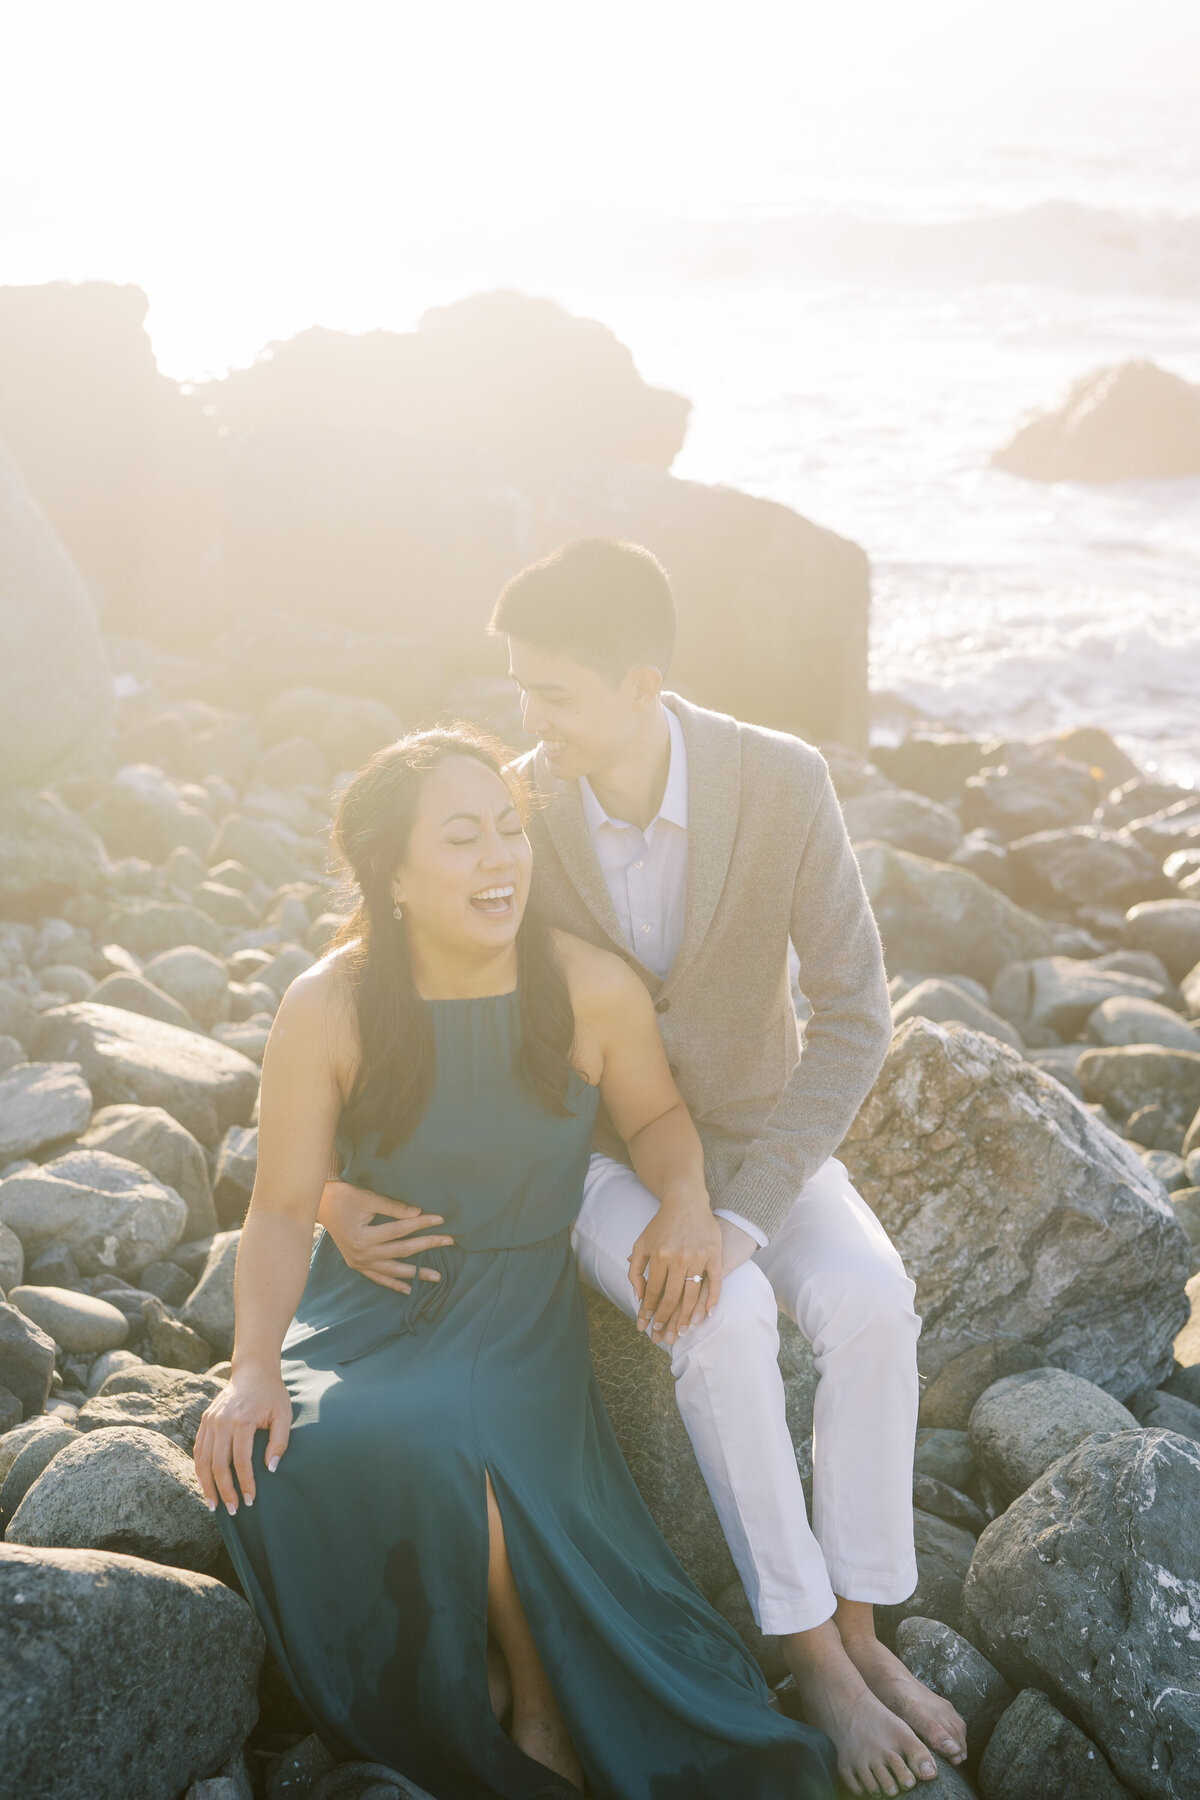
371,830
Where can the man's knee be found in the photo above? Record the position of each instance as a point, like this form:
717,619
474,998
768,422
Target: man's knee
744,1321
869,1294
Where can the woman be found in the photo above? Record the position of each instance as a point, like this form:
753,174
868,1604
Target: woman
426,1471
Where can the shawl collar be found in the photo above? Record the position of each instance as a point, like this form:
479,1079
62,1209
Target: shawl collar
714,794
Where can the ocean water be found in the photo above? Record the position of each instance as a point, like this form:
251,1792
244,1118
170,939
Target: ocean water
865,241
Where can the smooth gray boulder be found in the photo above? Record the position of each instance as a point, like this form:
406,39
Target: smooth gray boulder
129,1058
1017,1214
111,1362
142,1676
196,978
173,1407
944,1554
208,1309
1023,1423
944,1455
1162,1411
233,1177
146,927
1168,928
26,1358
1028,794
114,1217
1083,865
909,821
1087,1587
1060,992
41,1102
1035,1752
152,1138
132,993
947,1400
1121,1021
79,1323
1124,1081
943,920
953,1668
33,1458
127,1489
12,1442
946,1003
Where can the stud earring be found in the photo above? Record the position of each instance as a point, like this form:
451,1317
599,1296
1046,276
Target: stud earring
397,911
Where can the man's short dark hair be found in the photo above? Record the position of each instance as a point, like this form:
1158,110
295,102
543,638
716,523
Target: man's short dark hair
605,604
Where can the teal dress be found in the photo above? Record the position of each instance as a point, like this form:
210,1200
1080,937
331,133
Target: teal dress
365,1554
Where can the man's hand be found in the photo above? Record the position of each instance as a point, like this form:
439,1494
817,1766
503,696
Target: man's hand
737,1246
679,1242
375,1250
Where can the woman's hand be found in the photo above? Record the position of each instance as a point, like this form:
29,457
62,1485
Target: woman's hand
251,1400
345,1211
680,1242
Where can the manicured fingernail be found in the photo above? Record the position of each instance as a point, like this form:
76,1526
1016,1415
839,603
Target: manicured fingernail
211,1505
249,1499
272,1463
231,1507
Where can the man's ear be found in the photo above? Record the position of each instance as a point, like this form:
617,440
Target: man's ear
645,686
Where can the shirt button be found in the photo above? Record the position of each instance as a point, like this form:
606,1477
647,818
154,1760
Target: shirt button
638,863
645,928
662,1006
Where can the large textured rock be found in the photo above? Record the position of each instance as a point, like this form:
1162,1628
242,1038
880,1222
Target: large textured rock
1016,1212
152,1138
12,1259
114,1217
943,1552
120,1677
148,927
639,1393
132,993
772,608
56,693
128,1058
1131,421
13,1441
953,1668
196,978
39,1103
943,920
1087,1587
948,1399
1035,1752
30,1462
79,1323
209,1307
47,854
126,1489
1023,1423
26,1358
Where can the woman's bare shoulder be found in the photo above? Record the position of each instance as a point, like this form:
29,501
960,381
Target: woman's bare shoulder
595,977
323,997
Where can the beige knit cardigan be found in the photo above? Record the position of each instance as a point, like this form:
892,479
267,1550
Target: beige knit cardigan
768,859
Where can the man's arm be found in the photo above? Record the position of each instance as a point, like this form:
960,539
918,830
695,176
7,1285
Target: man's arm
845,1041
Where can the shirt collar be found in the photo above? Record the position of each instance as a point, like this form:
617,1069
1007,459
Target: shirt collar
674,808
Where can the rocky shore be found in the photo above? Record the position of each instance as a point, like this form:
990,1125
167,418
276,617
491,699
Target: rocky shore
1032,1145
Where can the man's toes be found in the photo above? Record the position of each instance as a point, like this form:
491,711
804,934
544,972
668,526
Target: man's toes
901,1770
885,1778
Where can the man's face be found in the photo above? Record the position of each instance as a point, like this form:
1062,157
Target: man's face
584,723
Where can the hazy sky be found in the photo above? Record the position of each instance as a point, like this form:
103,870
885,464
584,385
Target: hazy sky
256,166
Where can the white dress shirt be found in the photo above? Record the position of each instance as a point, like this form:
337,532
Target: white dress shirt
646,874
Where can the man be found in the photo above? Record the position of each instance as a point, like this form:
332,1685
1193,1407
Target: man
696,846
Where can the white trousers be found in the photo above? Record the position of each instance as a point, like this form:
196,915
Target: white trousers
833,1269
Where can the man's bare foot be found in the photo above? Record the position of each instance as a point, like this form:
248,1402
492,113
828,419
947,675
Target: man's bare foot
933,1719
877,1752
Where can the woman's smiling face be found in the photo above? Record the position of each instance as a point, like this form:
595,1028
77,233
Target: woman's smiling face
464,881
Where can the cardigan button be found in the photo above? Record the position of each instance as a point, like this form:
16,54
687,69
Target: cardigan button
662,1006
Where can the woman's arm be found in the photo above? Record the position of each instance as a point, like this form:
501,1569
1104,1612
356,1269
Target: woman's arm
299,1108
683,1239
